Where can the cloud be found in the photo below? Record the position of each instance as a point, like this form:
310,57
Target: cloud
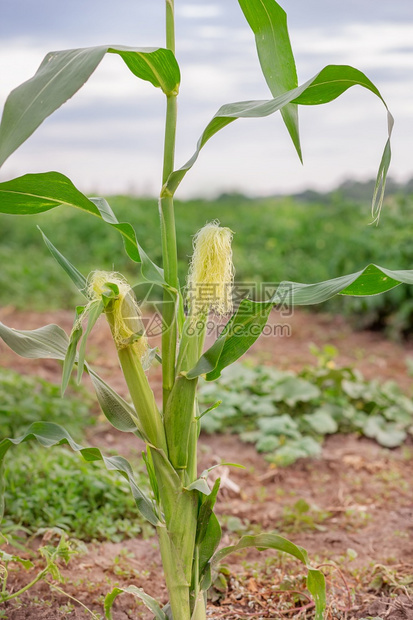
196,11
110,135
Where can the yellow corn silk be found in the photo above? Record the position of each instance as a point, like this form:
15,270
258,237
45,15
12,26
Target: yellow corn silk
124,312
211,272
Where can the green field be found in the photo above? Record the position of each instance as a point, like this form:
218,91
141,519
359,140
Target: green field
275,239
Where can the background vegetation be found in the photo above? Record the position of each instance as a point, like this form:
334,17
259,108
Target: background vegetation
308,238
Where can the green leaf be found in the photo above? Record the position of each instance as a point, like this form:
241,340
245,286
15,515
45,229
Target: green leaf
387,434
205,512
77,278
62,74
240,333
7,557
201,485
37,193
51,342
324,87
244,327
49,434
322,422
117,411
372,280
279,425
211,408
48,342
315,579
208,546
294,390
94,311
268,21
296,449
147,600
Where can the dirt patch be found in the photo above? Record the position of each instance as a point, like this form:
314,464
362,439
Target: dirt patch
352,508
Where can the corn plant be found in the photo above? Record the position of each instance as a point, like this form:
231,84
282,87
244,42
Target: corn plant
181,506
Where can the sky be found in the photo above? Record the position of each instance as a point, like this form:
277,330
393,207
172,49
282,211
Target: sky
108,138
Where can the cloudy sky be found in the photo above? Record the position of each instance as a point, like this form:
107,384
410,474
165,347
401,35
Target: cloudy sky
108,138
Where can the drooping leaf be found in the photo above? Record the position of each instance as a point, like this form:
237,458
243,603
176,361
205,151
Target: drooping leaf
62,74
268,21
372,280
247,323
117,411
315,579
52,342
147,600
327,85
49,434
37,193
48,342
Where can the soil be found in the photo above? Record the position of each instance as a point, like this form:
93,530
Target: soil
360,500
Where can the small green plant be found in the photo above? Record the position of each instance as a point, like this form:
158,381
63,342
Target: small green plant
301,516
181,506
24,399
287,415
58,489
51,555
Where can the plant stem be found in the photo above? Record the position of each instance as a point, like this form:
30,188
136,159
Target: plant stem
169,334
168,233
28,586
178,590
5,577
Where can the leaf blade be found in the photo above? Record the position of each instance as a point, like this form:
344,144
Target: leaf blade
268,21
49,434
62,73
52,342
325,86
315,578
147,600
37,193
250,319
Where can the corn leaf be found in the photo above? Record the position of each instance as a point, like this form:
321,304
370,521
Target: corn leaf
49,434
62,74
74,274
117,411
205,511
37,193
147,600
48,342
207,548
51,342
239,334
372,280
268,21
315,579
330,83
245,326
